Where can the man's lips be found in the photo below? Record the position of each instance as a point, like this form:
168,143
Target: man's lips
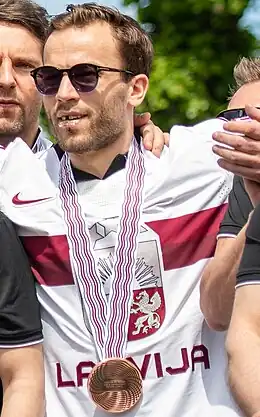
69,123
69,116
4,102
69,119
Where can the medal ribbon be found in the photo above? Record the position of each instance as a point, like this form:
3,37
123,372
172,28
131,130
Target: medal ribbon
108,319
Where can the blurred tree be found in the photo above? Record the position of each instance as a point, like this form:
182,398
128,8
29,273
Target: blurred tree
43,121
45,125
197,43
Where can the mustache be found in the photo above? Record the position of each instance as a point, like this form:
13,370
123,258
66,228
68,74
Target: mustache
64,108
69,109
8,98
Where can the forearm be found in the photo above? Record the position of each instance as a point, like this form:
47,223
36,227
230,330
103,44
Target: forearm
244,372
23,399
217,287
22,375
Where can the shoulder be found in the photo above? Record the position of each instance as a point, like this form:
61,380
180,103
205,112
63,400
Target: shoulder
7,231
201,131
51,158
193,145
239,208
3,218
188,171
195,141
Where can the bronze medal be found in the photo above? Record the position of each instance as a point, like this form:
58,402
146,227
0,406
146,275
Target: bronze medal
115,385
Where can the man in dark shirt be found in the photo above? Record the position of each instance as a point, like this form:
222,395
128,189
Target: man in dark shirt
217,288
21,358
239,240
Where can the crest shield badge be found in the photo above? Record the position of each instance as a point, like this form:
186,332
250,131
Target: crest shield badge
148,304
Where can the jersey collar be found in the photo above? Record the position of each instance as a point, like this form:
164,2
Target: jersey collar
41,142
117,164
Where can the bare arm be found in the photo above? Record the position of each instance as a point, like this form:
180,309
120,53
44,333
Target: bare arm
22,374
217,288
243,348
218,280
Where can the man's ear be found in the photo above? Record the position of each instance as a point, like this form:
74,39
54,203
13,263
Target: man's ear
138,88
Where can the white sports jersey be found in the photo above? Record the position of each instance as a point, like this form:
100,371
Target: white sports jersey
42,142
182,362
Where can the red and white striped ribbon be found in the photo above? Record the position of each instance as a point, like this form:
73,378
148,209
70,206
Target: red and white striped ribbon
108,319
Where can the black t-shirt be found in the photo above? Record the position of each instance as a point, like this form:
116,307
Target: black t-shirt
20,322
249,270
239,208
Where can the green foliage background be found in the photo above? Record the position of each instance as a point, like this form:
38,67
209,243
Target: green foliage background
197,43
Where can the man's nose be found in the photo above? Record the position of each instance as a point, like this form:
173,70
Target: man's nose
7,80
66,90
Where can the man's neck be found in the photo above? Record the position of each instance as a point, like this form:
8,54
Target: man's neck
29,139
97,163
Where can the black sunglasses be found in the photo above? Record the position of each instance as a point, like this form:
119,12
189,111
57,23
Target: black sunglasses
232,114
83,77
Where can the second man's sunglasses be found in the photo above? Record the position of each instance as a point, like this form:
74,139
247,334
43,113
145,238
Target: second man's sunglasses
83,77
233,114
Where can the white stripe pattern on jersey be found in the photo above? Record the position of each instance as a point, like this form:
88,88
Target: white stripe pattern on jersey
109,326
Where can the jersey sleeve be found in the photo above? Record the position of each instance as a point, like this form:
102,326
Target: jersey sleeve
239,208
20,322
249,269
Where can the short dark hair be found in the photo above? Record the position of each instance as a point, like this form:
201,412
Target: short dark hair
26,13
135,45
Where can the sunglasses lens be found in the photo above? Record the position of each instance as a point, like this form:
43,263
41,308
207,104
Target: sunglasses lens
47,80
84,77
232,114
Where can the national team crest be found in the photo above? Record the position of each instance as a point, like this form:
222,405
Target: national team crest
148,305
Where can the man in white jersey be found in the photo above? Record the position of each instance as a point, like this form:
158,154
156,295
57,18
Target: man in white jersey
97,64
23,30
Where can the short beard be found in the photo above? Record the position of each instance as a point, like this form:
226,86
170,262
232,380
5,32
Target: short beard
102,131
8,135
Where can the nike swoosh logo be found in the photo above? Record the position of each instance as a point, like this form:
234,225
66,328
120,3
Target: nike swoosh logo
18,202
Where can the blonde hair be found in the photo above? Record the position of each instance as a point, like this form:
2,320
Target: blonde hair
247,70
